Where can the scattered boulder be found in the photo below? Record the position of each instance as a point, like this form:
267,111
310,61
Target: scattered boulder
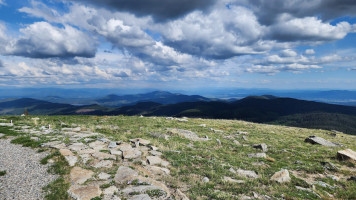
158,135
281,176
321,141
218,141
257,155
131,154
125,174
346,155
155,153
262,146
79,192
79,175
155,160
247,173
159,170
125,147
244,138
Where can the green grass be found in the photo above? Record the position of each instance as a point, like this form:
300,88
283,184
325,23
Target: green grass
2,173
26,142
191,161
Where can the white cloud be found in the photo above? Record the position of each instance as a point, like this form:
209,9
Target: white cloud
309,51
308,29
288,53
43,40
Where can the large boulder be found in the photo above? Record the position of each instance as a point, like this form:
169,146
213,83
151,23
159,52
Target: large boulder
346,155
321,141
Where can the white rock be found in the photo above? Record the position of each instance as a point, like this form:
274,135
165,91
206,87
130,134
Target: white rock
104,176
281,176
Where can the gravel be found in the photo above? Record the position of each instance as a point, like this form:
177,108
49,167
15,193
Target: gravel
25,176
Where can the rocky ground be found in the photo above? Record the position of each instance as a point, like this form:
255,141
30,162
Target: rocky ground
103,167
25,176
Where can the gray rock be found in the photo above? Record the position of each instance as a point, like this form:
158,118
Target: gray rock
131,154
140,197
155,153
79,192
205,180
237,143
257,155
262,146
231,180
2,135
158,135
346,154
72,160
104,176
321,141
125,174
154,160
112,145
186,134
103,164
247,173
329,166
140,141
281,176
218,141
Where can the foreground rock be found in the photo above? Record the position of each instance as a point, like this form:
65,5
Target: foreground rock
281,176
79,175
84,192
125,174
346,154
321,141
186,134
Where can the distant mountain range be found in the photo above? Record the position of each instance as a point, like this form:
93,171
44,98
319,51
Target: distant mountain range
262,109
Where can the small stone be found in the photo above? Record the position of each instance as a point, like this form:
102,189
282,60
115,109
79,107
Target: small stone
154,148
125,147
79,175
125,174
231,180
116,152
155,153
257,155
131,154
141,141
247,173
110,190
335,178
103,164
244,138
346,155
104,176
218,141
112,145
102,156
262,146
205,180
79,192
159,170
232,170
66,152
237,143
281,176
154,160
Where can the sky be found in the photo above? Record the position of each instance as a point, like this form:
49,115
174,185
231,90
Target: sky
178,44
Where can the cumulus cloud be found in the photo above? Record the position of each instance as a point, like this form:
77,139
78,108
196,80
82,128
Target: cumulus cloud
268,11
309,51
43,40
1,64
221,34
274,69
308,29
158,9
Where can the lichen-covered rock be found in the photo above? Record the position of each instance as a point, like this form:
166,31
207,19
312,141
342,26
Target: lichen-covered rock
281,176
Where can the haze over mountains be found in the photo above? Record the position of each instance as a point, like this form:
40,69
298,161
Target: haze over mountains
262,109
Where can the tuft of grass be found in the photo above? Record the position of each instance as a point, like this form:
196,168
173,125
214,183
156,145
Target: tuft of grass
2,173
26,142
57,190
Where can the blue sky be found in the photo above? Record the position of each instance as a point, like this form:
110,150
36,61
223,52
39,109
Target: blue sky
178,44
